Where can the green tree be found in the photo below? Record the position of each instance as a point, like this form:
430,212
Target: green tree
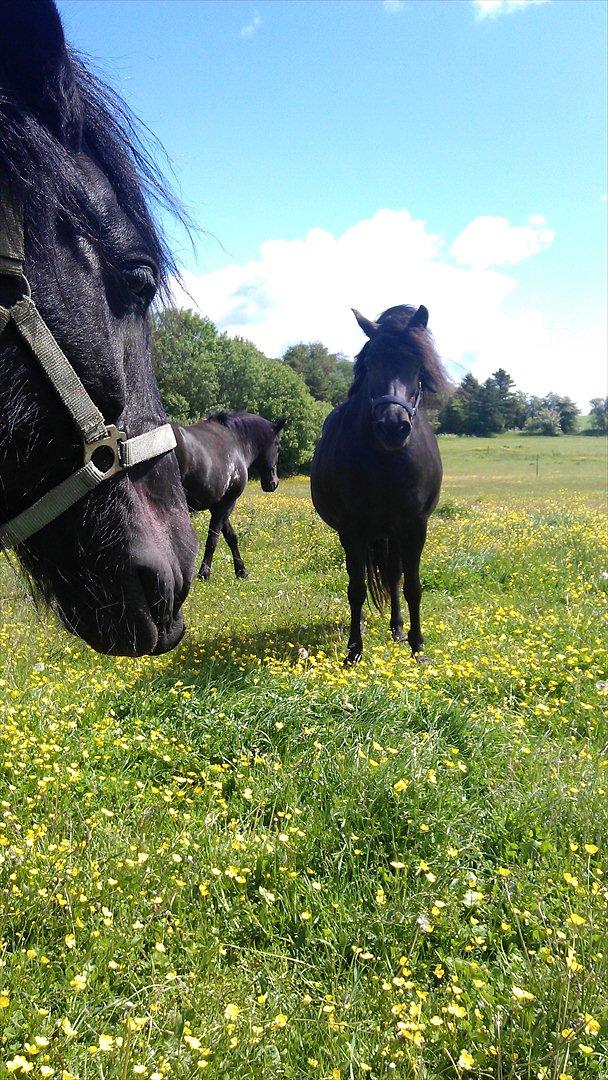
185,363
200,371
599,414
544,421
327,375
567,410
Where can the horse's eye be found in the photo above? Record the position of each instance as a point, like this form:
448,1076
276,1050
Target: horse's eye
141,282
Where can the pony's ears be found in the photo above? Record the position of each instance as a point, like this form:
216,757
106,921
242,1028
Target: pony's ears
34,60
421,318
278,425
369,328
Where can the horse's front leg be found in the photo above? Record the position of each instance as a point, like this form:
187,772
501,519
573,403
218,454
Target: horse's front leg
394,570
215,529
355,565
412,589
233,543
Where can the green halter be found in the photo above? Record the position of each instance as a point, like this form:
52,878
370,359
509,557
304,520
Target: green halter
96,434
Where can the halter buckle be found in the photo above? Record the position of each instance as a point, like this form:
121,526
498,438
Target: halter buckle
109,444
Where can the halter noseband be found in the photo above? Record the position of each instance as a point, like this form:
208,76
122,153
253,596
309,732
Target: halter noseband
106,450
393,399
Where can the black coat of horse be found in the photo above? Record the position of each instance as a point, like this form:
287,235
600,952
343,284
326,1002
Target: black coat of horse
216,457
376,473
117,566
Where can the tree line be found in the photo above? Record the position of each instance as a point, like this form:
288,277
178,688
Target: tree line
201,370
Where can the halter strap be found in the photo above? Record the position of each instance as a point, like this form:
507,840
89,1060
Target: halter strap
394,399
12,253
96,434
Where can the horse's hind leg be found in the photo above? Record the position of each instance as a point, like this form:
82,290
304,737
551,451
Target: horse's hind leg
394,572
233,543
412,589
355,565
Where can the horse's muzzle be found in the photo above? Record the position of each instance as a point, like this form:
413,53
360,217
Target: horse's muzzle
269,485
392,434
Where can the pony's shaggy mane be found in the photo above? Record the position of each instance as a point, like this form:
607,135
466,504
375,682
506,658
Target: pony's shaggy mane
242,422
38,159
416,345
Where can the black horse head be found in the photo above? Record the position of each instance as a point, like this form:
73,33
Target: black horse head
117,566
396,365
267,460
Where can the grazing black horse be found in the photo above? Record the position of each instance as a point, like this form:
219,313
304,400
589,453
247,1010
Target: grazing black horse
117,563
376,473
216,457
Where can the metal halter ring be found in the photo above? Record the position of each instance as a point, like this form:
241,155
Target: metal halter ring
111,442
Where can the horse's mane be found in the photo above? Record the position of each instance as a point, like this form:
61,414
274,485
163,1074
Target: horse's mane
224,417
242,422
420,347
40,165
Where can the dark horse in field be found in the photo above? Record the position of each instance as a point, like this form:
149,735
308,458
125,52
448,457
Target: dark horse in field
376,473
216,457
117,561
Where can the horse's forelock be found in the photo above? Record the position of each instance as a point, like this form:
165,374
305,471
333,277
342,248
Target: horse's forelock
394,326
39,160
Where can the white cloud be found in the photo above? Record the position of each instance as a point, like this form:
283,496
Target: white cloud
490,9
393,5
492,241
249,29
303,290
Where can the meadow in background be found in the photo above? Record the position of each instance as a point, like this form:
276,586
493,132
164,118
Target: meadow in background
243,860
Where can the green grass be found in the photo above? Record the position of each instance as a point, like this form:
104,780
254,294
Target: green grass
243,860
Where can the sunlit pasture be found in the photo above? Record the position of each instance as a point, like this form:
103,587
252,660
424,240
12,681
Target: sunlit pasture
244,860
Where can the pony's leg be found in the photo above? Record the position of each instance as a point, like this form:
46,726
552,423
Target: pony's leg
412,589
355,565
233,543
394,571
215,529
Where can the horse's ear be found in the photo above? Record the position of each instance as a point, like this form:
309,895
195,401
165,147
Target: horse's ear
34,61
279,424
421,318
369,328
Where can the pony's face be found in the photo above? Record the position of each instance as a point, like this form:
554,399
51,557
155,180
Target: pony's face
266,464
118,565
392,363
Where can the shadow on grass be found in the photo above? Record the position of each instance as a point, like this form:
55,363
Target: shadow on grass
230,657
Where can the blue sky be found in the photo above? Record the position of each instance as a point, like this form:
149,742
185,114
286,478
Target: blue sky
363,153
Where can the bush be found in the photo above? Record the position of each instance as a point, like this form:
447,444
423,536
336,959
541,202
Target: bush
544,422
200,371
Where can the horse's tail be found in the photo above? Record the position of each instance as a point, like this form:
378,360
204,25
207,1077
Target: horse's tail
377,573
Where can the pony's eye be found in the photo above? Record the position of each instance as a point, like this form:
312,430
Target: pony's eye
141,282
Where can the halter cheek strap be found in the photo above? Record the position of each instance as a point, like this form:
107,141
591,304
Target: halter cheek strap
106,450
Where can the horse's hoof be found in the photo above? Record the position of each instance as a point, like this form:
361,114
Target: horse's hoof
399,636
351,658
204,573
243,573
420,658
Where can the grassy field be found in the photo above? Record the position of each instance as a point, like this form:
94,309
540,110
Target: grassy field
246,861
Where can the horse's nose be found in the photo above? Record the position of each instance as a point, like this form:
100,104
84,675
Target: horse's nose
394,428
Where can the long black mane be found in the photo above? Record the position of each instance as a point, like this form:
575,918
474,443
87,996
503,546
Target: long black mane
37,158
247,425
419,345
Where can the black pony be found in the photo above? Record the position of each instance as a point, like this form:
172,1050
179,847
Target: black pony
117,566
216,456
376,473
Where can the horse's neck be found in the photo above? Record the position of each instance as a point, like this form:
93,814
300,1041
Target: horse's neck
247,443
360,406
